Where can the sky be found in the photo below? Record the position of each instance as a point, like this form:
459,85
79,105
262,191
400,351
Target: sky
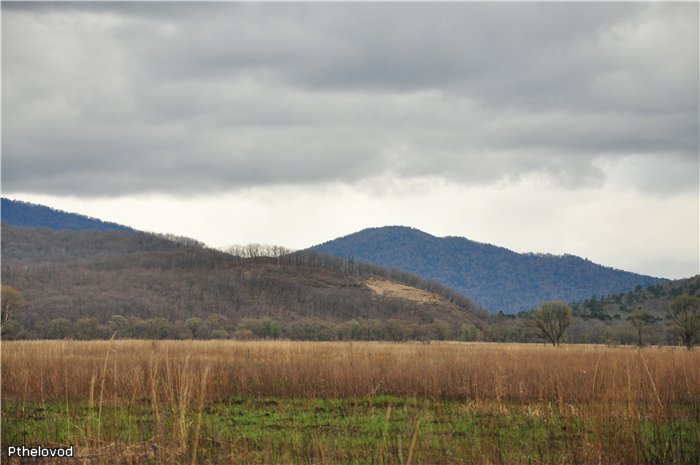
540,127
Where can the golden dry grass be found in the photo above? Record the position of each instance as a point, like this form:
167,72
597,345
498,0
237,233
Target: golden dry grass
124,370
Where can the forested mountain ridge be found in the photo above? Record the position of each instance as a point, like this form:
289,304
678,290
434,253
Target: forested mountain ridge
36,246
18,213
87,284
494,277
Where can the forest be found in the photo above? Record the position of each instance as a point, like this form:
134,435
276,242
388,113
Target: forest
494,277
90,284
132,285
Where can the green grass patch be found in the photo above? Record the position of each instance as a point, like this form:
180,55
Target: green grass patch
372,430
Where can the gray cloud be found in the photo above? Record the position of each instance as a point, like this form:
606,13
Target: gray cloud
109,99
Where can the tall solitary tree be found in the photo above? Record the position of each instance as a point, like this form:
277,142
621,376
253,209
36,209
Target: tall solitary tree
684,311
551,320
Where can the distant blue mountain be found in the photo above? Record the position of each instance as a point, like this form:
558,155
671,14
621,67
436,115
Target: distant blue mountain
494,277
18,213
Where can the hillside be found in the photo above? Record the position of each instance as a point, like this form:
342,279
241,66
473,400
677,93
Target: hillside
37,246
607,320
91,284
653,300
18,213
494,277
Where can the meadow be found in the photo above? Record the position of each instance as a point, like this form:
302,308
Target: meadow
283,402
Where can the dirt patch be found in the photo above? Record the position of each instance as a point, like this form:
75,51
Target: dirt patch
393,289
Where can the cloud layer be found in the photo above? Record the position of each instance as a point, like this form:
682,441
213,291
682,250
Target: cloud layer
111,99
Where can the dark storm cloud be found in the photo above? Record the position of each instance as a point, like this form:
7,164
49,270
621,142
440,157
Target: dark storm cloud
109,99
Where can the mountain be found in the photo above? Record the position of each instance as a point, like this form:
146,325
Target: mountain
92,284
18,213
494,277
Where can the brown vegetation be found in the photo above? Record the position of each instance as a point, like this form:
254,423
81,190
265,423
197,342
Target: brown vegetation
89,285
54,371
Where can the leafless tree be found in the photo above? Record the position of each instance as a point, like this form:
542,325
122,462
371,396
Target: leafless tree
640,319
684,311
551,320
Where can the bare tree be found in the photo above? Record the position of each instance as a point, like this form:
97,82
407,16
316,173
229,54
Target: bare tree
257,250
684,311
551,320
640,319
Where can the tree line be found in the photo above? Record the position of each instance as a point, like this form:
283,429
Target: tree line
551,320
220,327
548,323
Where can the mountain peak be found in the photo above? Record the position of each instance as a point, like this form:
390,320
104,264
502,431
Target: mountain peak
494,277
394,229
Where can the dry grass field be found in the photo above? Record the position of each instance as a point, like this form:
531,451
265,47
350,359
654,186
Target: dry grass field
294,402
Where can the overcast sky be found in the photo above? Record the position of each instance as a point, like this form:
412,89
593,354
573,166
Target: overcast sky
561,128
